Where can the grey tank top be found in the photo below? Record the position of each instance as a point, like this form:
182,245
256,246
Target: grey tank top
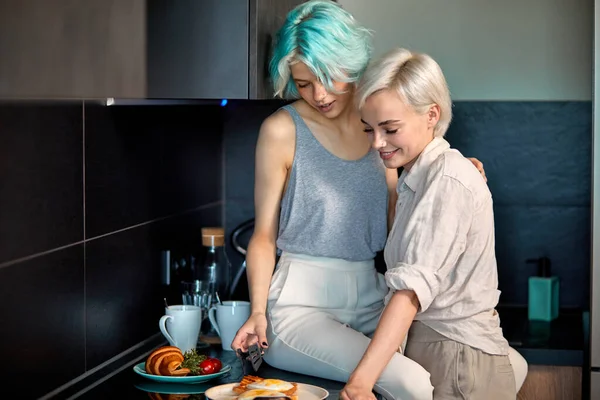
332,207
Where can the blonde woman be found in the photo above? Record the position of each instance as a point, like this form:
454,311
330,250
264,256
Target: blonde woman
440,256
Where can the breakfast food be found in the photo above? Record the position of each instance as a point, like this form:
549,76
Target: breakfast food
253,384
169,361
209,366
252,394
166,360
274,384
199,364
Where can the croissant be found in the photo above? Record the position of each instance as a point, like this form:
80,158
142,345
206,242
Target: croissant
165,361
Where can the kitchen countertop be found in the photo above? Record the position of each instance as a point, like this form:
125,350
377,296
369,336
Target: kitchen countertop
126,384
560,342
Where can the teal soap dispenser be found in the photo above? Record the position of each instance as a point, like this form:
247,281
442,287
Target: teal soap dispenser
543,292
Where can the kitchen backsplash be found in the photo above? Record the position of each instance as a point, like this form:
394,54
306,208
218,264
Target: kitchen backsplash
89,196
537,157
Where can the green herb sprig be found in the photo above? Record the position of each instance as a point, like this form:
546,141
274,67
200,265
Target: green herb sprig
191,360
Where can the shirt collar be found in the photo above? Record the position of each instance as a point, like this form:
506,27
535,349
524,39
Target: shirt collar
418,171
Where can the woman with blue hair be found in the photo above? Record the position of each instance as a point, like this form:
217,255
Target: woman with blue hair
322,197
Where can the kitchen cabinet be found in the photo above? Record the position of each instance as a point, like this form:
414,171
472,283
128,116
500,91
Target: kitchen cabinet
72,48
266,17
212,48
136,49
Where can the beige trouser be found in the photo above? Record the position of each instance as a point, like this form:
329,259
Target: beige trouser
459,371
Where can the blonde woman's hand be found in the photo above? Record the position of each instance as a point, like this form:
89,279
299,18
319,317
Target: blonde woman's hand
479,165
254,330
354,391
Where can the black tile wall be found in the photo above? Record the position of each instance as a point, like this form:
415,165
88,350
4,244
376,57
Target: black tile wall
537,157
80,274
40,154
123,288
123,299
43,325
142,164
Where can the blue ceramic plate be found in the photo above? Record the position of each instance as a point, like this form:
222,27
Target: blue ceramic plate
140,369
171,388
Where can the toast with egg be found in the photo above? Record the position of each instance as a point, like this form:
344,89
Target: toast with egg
260,393
255,384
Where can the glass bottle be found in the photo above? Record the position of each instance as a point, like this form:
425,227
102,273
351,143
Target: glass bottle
215,268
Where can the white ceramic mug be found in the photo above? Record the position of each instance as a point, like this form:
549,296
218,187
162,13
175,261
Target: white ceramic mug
181,326
227,319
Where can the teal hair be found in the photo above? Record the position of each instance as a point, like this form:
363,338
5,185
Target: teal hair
325,37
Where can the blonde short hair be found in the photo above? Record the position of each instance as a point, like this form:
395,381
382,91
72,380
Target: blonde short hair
416,77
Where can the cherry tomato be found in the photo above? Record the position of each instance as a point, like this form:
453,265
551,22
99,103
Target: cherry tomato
217,364
210,366
207,367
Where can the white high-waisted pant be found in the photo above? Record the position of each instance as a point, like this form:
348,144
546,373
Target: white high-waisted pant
321,312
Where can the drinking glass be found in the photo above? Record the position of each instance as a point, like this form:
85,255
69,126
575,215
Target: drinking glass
197,293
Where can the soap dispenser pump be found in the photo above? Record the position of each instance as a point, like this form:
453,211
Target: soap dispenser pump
543,292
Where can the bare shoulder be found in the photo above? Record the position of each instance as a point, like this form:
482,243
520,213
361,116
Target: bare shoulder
277,136
278,126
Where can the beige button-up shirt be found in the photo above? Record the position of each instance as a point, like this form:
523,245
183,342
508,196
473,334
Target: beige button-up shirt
441,246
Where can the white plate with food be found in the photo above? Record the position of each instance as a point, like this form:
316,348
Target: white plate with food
252,387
